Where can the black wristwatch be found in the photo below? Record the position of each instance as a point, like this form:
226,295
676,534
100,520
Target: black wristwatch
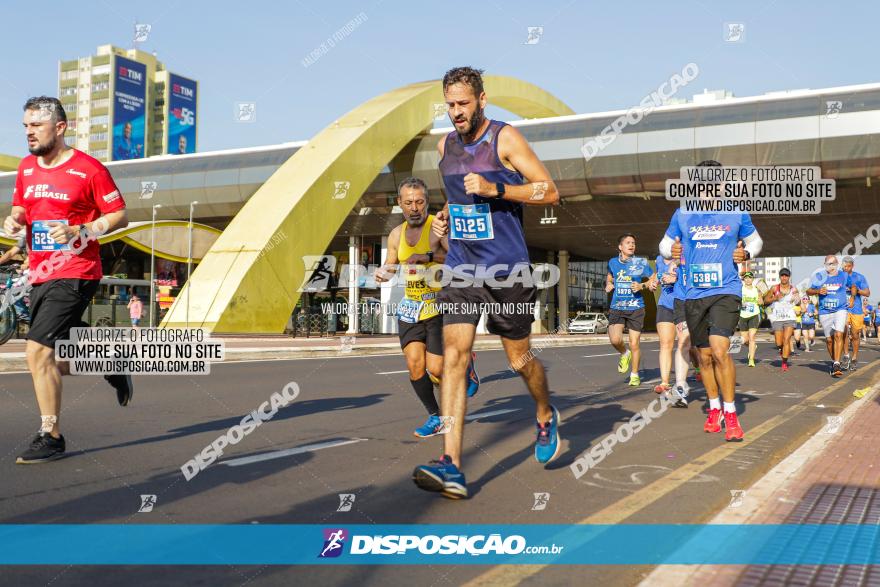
501,189
748,254
430,256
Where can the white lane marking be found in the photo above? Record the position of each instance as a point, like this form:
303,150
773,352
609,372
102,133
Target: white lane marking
392,372
487,414
618,354
288,452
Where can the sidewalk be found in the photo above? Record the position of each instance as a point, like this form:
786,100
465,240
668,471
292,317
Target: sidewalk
833,478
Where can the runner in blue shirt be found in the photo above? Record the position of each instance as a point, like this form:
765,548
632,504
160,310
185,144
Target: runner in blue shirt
669,322
709,246
875,319
870,319
858,289
832,286
808,322
627,277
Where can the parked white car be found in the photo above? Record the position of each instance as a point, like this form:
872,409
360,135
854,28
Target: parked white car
588,323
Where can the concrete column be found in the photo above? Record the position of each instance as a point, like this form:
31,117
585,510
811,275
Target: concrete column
354,260
551,298
389,296
563,289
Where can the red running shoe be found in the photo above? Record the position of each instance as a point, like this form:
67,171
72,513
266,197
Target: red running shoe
713,422
662,388
734,432
784,367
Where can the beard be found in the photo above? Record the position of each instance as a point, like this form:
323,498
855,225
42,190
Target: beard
475,122
416,222
42,149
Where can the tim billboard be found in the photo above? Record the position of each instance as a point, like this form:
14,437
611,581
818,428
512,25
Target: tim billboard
129,109
182,93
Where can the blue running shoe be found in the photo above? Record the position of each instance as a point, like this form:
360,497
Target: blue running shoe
431,427
473,380
547,443
441,476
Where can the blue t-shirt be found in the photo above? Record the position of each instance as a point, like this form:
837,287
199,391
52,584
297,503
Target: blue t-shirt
624,274
708,242
868,311
680,290
808,317
837,286
667,293
859,280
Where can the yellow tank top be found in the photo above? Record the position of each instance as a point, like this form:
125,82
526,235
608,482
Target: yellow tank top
417,290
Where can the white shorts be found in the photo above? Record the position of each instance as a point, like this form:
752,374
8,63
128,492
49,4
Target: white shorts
835,321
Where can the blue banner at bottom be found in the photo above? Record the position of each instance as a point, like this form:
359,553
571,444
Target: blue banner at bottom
134,544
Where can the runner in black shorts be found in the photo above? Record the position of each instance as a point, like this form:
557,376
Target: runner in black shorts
65,199
713,245
667,328
626,277
418,320
489,172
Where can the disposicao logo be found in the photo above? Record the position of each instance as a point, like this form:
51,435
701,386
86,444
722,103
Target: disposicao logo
334,541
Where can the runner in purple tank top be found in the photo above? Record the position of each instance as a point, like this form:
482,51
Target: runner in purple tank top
489,172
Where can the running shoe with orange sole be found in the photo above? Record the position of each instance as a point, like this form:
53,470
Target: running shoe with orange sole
662,388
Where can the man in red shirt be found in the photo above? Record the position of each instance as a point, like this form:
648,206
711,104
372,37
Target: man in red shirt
64,199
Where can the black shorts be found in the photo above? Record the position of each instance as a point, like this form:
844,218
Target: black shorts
429,332
632,319
678,309
510,309
712,315
57,306
665,314
752,322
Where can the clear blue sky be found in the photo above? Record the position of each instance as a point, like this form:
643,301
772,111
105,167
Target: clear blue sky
594,56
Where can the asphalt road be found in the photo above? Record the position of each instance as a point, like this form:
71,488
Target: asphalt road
350,431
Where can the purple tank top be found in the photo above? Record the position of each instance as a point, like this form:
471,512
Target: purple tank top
508,245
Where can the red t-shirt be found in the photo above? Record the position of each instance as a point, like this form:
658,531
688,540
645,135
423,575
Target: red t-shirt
80,190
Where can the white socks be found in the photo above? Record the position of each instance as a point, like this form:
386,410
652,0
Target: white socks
715,404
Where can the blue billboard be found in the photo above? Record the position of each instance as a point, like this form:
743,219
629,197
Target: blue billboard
129,109
181,117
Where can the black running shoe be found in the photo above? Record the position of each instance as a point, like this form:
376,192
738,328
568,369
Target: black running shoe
123,386
44,448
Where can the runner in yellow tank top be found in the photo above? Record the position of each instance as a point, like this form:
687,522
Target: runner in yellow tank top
415,246
420,298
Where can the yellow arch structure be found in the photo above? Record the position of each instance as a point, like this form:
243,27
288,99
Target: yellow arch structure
248,281
9,162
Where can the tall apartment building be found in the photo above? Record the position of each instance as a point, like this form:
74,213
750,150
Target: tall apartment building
767,268
124,104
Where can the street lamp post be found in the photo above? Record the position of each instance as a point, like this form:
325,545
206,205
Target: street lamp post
153,267
189,257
